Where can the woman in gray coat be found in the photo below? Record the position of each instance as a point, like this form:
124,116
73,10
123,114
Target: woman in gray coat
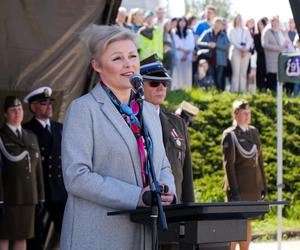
103,153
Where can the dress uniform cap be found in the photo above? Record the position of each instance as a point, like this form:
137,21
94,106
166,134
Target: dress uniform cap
239,104
11,101
190,108
40,94
153,69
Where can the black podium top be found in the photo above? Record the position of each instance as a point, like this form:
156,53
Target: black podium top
204,211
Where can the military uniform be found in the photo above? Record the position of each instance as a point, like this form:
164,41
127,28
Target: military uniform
22,183
243,164
178,152
50,146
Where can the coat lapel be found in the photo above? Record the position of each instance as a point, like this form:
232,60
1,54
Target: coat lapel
12,136
114,116
152,124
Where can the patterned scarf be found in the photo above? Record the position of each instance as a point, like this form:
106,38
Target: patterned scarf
131,115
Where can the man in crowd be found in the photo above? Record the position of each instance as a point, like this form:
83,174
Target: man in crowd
49,135
151,38
202,25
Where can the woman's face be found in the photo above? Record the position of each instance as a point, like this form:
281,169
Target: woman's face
182,24
14,115
238,21
117,63
275,24
138,17
260,26
243,117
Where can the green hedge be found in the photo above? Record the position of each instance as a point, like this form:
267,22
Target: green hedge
215,116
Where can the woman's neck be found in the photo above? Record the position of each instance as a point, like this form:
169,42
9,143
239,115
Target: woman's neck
243,126
123,95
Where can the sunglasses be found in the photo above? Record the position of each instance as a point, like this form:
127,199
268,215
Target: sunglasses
44,103
155,84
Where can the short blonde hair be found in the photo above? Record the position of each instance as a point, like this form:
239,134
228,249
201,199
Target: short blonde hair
98,37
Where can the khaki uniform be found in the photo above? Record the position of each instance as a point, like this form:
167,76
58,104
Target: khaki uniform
178,153
22,184
244,174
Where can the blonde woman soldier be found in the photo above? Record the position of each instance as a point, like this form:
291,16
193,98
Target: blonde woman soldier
243,162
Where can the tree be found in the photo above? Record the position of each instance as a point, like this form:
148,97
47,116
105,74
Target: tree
197,6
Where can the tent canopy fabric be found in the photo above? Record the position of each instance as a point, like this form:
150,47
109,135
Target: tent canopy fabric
40,46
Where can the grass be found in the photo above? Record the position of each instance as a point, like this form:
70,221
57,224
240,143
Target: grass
266,229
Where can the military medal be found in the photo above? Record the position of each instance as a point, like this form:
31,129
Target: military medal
176,137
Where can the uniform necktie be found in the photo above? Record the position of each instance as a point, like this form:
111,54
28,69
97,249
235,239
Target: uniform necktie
18,133
48,128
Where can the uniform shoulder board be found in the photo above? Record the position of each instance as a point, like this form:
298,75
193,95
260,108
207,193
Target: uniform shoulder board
228,130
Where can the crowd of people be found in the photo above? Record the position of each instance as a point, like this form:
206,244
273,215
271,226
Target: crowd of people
242,55
114,145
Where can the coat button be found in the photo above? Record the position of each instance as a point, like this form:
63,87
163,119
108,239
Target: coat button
43,158
42,148
59,176
50,166
50,157
49,175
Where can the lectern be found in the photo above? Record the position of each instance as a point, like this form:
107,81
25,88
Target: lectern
205,226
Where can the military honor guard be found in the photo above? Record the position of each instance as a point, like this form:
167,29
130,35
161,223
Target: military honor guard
175,136
49,134
21,178
243,161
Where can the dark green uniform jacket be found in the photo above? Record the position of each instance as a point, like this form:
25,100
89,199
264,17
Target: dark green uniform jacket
22,183
244,177
176,143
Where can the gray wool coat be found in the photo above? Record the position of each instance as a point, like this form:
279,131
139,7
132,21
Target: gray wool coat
102,173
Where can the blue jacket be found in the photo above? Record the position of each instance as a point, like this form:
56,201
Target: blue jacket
221,48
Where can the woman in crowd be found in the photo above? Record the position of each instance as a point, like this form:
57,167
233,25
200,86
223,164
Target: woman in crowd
21,178
261,75
216,42
241,41
104,162
185,44
251,72
274,41
243,161
135,19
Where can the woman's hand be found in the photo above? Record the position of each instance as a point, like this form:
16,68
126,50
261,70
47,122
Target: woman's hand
146,196
167,196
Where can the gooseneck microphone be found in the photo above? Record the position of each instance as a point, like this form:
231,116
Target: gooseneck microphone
137,84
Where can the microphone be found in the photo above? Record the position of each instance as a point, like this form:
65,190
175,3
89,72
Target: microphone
137,84
149,197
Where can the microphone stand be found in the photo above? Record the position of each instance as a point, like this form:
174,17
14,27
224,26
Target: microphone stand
156,207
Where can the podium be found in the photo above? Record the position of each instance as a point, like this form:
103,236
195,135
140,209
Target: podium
204,226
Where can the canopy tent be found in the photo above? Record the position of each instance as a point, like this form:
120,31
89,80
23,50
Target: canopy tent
39,45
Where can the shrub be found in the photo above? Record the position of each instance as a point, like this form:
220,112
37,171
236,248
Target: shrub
215,116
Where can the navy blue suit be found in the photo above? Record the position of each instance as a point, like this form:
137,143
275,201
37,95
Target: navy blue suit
55,192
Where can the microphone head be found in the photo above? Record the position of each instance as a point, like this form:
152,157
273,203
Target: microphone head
136,80
137,83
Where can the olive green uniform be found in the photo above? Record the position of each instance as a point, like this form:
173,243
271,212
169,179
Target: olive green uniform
176,143
22,184
244,171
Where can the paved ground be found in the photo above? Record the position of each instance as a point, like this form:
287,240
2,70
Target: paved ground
286,245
